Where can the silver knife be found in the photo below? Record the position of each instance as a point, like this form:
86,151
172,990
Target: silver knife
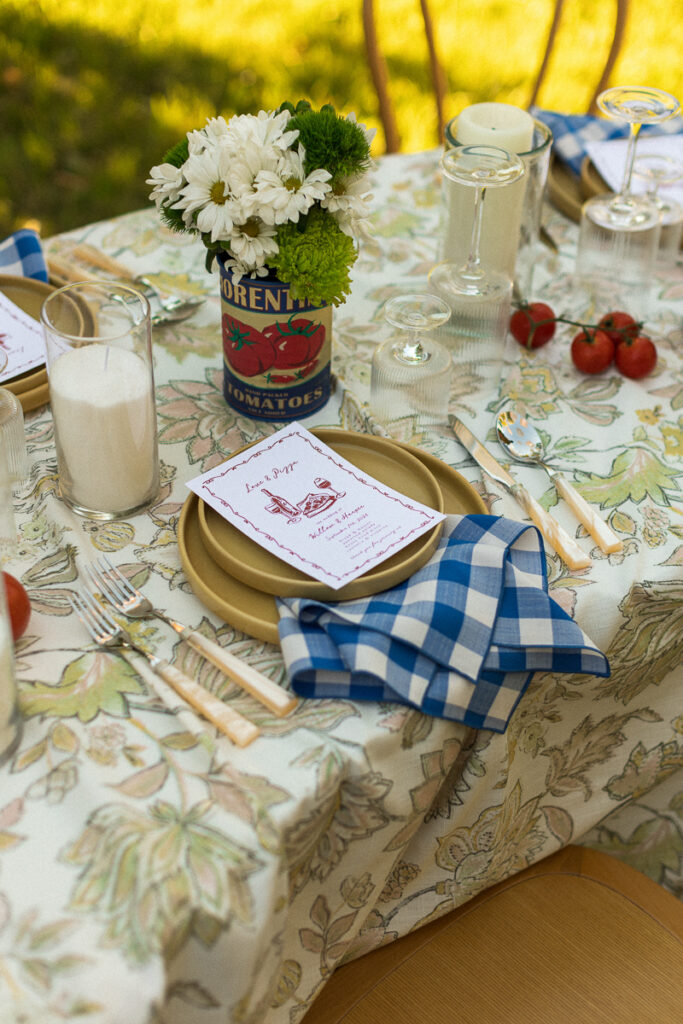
558,538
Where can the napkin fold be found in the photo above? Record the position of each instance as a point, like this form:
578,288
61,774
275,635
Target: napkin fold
22,254
571,132
460,639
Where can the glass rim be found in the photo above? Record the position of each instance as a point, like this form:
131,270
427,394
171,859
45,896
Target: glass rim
74,290
539,125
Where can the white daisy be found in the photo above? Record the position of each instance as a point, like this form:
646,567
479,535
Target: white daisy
214,131
252,242
208,199
288,192
349,203
167,181
369,133
263,129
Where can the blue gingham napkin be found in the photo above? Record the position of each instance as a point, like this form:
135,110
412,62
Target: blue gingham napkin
460,639
571,132
22,254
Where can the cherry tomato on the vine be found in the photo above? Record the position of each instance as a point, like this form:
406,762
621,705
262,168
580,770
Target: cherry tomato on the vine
636,357
592,350
619,326
533,325
18,604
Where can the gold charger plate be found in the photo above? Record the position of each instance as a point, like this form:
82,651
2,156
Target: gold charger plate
31,388
380,458
255,612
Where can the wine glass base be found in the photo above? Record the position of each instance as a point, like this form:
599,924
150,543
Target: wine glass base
476,316
399,388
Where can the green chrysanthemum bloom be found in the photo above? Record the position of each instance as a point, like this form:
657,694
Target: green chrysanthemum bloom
314,258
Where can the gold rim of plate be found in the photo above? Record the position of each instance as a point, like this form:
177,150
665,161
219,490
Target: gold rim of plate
253,611
32,388
246,560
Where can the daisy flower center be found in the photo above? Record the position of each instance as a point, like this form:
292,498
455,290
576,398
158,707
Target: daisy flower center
293,184
217,193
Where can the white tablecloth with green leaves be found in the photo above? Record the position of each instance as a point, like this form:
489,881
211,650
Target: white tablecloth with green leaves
145,879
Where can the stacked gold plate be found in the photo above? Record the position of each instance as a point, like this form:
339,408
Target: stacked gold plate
239,580
31,388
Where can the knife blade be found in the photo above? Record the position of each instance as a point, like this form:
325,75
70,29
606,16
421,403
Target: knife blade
558,538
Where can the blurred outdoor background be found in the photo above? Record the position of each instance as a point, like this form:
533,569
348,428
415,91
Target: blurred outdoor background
93,92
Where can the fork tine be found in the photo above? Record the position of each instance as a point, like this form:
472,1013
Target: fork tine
123,582
106,577
96,612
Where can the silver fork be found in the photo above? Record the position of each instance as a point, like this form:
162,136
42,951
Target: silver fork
106,632
130,601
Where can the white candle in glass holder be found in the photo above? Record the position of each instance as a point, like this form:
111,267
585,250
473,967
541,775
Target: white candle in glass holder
509,128
104,426
496,124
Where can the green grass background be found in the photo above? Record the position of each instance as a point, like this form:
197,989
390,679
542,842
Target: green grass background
93,92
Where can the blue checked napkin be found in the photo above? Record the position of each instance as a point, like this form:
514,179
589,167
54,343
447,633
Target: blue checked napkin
22,254
460,639
571,132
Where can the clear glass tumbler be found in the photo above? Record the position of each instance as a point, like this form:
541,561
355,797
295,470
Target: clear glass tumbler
411,370
10,718
99,362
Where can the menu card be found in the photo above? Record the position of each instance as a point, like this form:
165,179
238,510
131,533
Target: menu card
21,339
303,502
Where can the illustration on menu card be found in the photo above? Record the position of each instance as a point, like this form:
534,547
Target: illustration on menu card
313,504
301,500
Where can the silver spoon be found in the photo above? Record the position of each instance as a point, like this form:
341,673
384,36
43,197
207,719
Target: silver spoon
522,441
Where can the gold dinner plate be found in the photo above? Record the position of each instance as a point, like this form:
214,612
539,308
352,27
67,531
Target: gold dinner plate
378,457
31,388
255,612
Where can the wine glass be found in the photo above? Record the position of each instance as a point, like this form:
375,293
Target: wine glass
619,233
658,169
478,296
411,370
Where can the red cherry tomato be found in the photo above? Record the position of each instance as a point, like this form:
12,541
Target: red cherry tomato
636,357
533,325
592,350
18,605
619,326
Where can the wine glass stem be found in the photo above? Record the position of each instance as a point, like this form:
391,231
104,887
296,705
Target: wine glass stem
630,157
412,350
473,266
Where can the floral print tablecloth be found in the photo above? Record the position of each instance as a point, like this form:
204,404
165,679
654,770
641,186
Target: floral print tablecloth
145,878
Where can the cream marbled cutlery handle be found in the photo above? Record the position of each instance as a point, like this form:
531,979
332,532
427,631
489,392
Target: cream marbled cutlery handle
274,697
601,533
558,538
238,728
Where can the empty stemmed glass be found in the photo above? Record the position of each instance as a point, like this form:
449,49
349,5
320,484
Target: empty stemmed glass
411,370
657,170
619,233
478,296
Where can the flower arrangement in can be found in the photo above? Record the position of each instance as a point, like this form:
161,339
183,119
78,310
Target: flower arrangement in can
280,194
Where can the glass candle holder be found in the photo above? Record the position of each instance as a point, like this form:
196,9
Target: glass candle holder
99,361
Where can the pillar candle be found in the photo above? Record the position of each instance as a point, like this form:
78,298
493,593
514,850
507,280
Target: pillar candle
496,124
104,416
509,128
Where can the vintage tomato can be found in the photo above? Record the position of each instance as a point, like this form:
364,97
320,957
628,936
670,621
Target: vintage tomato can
276,350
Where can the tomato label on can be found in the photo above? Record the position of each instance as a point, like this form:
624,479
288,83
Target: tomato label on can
276,350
